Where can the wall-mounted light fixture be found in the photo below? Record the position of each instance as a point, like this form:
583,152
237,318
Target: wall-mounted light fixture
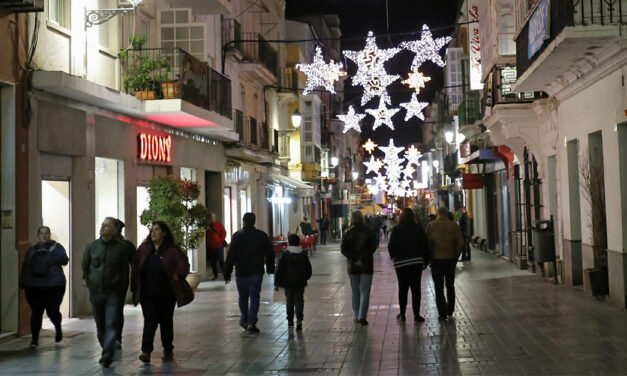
100,16
297,118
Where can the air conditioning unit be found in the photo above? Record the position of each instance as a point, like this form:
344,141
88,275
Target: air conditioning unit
23,6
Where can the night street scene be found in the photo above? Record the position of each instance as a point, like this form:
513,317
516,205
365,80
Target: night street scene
313,187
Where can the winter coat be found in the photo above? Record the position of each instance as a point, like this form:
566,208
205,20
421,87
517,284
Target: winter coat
408,245
56,259
215,235
359,243
247,252
445,239
105,265
294,269
174,262
464,225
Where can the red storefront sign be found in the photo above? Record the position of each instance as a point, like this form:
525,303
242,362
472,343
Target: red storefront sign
155,148
472,181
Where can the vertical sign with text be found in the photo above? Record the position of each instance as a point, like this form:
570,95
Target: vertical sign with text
474,45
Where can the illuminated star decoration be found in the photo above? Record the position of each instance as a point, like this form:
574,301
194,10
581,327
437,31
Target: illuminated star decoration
320,73
373,165
413,155
416,81
382,115
409,170
369,146
426,48
351,120
414,108
371,73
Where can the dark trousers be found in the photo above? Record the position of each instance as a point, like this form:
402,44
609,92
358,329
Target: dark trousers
158,312
443,272
120,326
48,299
323,237
215,256
295,299
105,309
249,287
409,278
466,251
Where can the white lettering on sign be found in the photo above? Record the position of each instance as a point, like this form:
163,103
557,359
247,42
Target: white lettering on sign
474,45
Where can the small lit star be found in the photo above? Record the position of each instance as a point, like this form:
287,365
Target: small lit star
373,165
369,146
414,108
351,120
426,48
416,81
382,115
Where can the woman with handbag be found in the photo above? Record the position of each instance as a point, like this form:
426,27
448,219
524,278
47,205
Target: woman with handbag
158,283
43,281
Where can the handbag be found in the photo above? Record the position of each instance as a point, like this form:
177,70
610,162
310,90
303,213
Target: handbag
183,292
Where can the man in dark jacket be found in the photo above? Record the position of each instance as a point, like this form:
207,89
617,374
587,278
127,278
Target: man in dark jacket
323,226
292,274
105,273
131,254
464,226
359,243
249,247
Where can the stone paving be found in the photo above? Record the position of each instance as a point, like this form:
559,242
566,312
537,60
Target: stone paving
507,322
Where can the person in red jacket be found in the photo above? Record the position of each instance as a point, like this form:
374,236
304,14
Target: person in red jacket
215,241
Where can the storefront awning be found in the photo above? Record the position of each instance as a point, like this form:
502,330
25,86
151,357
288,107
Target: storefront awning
497,153
302,188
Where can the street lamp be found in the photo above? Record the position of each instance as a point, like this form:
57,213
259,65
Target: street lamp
296,118
448,136
355,175
436,164
334,161
100,16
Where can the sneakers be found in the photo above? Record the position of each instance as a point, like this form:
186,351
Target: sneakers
419,318
145,357
168,356
243,325
363,322
400,317
299,326
252,328
106,363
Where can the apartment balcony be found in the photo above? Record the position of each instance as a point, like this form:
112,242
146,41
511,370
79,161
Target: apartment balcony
260,60
289,85
498,90
23,6
585,39
468,110
253,144
232,36
203,6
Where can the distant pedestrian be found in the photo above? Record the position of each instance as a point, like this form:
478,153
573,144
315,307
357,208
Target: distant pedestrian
464,226
409,250
130,247
385,226
43,281
158,283
292,274
305,227
105,273
323,226
250,248
215,242
359,243
446,243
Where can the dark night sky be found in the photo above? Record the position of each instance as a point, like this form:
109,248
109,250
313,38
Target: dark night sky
357,18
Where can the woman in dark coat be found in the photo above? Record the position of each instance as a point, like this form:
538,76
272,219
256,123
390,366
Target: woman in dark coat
409,250
158,266
43,281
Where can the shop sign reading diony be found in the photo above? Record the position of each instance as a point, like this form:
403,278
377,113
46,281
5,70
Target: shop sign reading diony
155,148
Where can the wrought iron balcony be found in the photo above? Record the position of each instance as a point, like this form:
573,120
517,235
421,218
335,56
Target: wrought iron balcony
172,73
232,34
257,50
499,89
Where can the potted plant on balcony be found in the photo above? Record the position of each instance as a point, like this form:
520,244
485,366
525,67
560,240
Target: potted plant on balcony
137,41
171,90
174,202
144,73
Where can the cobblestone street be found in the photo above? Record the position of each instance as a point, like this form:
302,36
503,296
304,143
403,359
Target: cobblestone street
506,322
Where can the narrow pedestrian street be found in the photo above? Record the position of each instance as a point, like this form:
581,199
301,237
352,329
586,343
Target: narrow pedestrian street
506,322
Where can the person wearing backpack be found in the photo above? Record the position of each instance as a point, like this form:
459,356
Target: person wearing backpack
292,274
43,281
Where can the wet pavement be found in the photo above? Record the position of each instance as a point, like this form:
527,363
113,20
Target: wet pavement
506,322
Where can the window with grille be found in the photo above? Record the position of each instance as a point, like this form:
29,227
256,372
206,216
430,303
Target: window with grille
176,30
104,30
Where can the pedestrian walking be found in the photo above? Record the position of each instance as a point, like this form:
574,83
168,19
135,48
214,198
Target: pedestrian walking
323,225
445,243
158,284
130,247
292,274
409,250
358,245
464,226
105,273
249,249
215,242
305,227
43,281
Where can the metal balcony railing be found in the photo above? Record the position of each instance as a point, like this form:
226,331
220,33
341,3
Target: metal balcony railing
283,145
499,89
238,118
250,131
289,80
171,73
232,32
257,50
565,13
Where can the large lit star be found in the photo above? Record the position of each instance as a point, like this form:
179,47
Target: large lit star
320,73
373,165
414,108
351,120
382,115
426,48
369,146
416,81
371,72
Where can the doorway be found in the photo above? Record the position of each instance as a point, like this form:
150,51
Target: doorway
55,213
143,199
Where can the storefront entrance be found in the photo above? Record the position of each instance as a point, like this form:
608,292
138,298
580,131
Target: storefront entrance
55,213
109,190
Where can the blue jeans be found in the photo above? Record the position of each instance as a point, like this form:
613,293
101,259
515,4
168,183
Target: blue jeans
105,309
249,287
360,284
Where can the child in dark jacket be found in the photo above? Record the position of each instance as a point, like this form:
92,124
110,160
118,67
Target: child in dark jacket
293,272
